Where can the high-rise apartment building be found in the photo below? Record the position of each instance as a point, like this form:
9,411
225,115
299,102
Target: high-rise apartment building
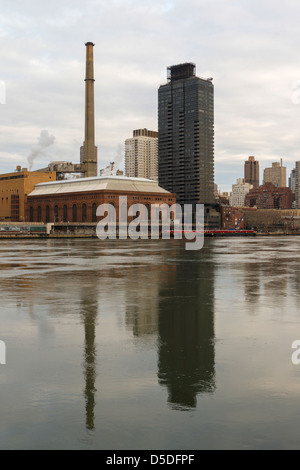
186,135
141,155
292,181
252,172
276,175
239,193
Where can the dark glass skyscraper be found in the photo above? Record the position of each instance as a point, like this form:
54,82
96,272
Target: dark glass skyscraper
186,135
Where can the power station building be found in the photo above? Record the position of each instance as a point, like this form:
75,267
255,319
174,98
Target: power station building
77,201
14,190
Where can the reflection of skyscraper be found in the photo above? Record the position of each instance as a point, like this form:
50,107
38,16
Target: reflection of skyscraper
186,329
256,285
89,310
142,299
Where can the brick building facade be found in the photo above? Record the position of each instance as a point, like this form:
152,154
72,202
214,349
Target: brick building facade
270,197
232,218
77,200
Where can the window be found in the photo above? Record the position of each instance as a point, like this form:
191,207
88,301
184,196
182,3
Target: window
74,213
31,214
94,212
56,214
83,212
47,214
65,213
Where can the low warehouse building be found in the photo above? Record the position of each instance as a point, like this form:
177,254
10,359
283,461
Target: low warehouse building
77,201
14,190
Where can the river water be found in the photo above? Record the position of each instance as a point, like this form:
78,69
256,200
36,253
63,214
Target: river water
120,345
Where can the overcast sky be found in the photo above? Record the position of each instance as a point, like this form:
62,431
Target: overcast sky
251,48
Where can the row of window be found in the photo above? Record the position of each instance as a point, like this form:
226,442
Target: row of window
63,214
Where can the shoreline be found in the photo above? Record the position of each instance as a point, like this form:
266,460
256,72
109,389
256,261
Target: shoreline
45,236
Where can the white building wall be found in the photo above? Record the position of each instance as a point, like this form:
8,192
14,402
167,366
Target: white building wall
239,192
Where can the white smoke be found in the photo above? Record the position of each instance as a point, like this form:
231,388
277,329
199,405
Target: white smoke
45,140
120,155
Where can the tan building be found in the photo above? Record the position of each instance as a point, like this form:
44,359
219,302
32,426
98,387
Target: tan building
141,155
276,175
14,189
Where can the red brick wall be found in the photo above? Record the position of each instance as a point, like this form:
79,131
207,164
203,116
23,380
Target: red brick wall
230,216
270,197
89,198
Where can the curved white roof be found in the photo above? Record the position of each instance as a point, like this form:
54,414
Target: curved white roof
114,183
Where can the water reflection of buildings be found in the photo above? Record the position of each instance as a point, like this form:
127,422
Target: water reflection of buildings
186,363
142,298
266,277
42,291
89,310
178,305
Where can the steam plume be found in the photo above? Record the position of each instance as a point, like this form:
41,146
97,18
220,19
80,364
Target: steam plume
44,141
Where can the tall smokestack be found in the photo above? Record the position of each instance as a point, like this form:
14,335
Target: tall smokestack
88,152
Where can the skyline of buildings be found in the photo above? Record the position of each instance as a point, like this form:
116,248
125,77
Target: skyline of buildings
180,156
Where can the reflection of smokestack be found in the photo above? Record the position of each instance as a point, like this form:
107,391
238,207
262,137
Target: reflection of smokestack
89,151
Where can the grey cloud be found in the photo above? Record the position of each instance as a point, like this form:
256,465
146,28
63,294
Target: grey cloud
249,47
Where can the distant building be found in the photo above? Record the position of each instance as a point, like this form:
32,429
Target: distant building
251,172
269,196
232,218
276,175
297,184
186,136
270,220
223,198
216,192
292,181
239,192
14,189
141,155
